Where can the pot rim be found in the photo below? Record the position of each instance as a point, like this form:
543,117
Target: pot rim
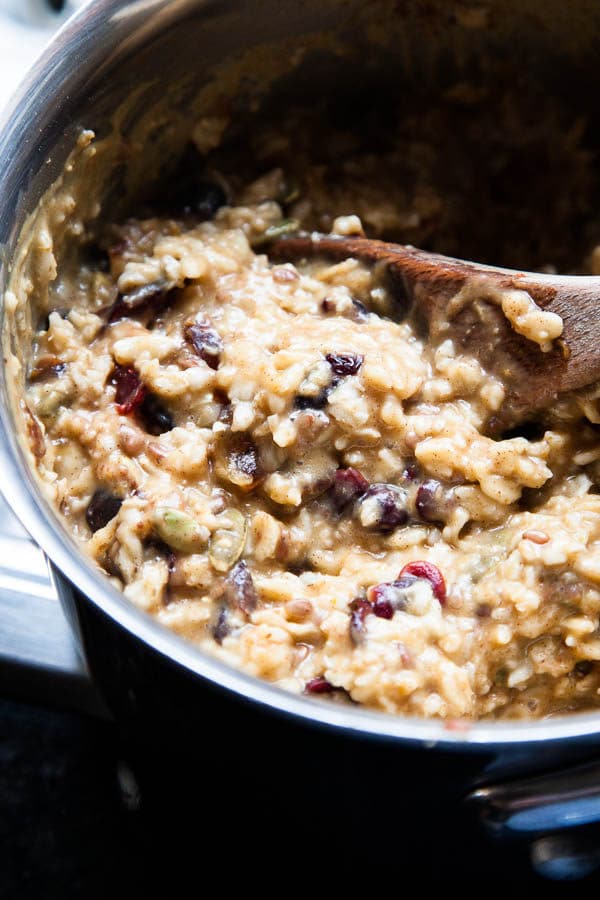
17,123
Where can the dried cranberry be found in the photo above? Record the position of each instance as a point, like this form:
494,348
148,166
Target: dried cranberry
430,573
383,507
319,685
240,590
388,597
103,507
345,363
206,343
359,610
429,501
153,415
348,485
130,391
146,297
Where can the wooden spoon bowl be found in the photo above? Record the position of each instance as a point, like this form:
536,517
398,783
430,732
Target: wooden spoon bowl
477,306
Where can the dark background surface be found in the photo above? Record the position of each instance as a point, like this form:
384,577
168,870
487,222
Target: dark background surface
233,809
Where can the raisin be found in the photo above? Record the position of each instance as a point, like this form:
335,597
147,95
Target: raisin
348,485
245,460
46,373
433,502
221,627
103,507
206,342
383,507
343,364
239,589
149,297
319,685
318,401
153,416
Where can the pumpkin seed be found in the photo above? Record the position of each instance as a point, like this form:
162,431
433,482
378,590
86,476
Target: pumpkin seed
179,530
228,541
286,226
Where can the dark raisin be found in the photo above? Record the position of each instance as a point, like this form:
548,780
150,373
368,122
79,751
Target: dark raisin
411,472
206,343
583,668
433,502
388,597
129,390
313,392
198,197
245,460
430,572
103,507
345,363
153,416
239,589
383,507
483,610
317,401
148,297
47,373
319,685
348,485
359,610
221,627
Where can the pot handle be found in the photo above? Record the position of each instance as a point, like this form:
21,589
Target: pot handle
559,812
566,798
40,660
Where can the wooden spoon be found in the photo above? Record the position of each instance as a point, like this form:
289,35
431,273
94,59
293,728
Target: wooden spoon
469,303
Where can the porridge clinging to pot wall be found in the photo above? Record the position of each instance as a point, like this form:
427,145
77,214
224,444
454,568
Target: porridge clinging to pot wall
276,465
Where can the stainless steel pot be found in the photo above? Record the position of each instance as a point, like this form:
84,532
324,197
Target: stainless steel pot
111,48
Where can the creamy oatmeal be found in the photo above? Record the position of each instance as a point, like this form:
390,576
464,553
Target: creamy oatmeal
276,465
